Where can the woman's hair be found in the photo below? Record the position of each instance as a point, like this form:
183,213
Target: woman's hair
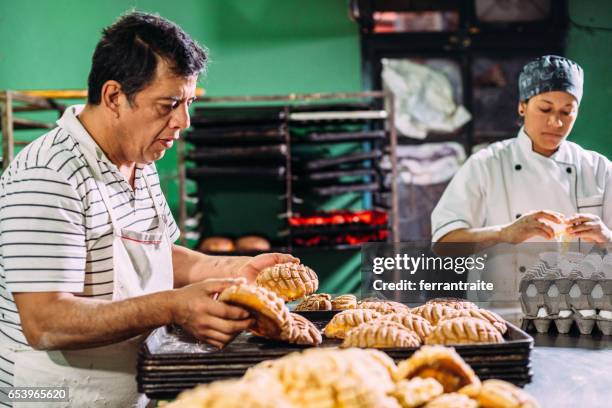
131,48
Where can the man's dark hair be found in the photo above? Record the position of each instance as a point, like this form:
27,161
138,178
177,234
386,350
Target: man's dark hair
129,50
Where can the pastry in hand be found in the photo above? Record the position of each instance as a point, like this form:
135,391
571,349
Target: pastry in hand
301,331
344,321
496,320
217,244
381,334
417,391
440,363
464,330
452,400
498,393
383,306
315,303
454,303
413,322
344,302
252,243
269,311
433,312
289,280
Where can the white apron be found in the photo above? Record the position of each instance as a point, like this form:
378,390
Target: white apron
105,376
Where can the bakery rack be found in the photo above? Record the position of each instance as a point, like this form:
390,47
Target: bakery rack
269,137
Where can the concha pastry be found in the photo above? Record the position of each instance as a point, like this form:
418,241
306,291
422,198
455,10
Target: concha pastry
381,334
383,306
433,312
452,400
315,302
464,330
496,320
270,313
498,393
344,321
440,363
289,280
454,303
414,322
344,302
301,331
417,391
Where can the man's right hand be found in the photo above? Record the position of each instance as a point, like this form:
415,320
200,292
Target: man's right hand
196,309
531,225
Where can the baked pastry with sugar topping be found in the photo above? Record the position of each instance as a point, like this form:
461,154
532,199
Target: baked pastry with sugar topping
289,280
440,363
344,321
381,334
498,393
315,303
452,400
496,320
464,330
417,391
413,322
301,331
383,306
433,312
344,302
269,311
455,303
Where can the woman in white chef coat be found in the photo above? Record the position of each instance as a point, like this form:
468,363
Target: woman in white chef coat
512,191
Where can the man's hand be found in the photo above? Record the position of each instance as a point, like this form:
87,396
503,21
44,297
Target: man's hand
196,309
251,269
531,225
588,227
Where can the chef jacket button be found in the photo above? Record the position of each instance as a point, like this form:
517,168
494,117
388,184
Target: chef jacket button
522,269
518,167
518,216
569,170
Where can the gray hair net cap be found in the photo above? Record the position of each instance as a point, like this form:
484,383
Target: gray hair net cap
551,73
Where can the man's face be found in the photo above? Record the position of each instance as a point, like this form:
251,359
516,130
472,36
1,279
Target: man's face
152,123
549,118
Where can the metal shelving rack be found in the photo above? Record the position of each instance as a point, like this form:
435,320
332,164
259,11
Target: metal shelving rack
286,102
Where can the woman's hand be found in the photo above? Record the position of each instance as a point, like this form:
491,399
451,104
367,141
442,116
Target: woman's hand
531,225
256,264
588,227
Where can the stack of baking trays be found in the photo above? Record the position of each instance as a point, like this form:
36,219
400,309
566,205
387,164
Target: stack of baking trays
315,154
171,361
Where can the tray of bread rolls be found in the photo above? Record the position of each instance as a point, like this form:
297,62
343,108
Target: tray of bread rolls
290,316
566,292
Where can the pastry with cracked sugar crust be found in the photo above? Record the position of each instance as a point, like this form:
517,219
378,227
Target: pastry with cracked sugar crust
433,312
498,393
301,331
344,321
289,280
269,311
452,400
414,322
417,391
454,303
464,330
440,363
344,302
383,306
315,303
496,320
381,334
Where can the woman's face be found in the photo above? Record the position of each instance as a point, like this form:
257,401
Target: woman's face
549,118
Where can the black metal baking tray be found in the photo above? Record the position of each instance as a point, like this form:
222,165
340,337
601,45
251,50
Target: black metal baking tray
306,163
232,135
277,172
240,154
211,116
334,175
337,137
342,188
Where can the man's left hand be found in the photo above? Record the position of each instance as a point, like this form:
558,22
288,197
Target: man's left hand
251,269
588,227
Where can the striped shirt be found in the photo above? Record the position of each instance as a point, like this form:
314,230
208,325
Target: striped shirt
55,231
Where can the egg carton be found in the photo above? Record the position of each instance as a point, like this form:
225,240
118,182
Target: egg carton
563,293
563,325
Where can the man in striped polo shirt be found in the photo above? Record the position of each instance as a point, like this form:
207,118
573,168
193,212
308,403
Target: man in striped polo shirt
88,265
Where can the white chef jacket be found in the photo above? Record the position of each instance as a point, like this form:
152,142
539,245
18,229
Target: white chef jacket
498,184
